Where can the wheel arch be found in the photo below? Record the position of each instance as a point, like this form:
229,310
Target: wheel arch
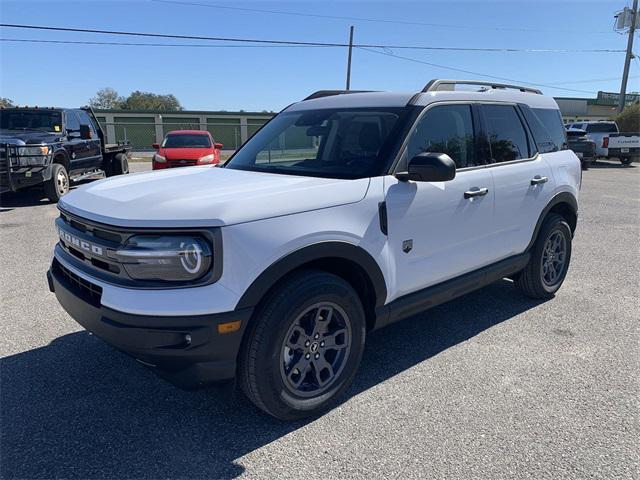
62,157
347,261
564,204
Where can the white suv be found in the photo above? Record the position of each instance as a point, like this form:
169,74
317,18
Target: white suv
344,213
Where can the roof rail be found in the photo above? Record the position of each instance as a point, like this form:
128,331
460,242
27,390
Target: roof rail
329,93
434,85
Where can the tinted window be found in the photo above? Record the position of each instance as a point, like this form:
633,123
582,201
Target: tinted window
445,129
602,128
73,125
546,126
507,136
331,143
85,119
186,141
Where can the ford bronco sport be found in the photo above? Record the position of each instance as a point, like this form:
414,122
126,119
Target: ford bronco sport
344,213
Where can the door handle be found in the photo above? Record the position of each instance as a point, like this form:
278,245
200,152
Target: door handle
476,192
538,180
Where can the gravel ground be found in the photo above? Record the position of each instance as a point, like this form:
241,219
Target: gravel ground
492,385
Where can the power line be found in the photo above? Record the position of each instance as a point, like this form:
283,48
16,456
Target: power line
445,67
133,44
375,20
299,42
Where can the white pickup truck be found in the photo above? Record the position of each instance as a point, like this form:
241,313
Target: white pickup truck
624,146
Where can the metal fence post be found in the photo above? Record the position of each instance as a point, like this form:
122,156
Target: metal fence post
244,132
159,129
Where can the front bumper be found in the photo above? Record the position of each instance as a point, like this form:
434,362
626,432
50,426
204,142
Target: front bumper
186,350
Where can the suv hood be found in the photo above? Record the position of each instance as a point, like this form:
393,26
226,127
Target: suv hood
27,137
206,196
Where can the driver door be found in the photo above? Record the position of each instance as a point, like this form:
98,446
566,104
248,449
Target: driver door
440,230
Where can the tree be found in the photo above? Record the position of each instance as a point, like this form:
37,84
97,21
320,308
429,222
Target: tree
151,101
107,98
629,119
6,102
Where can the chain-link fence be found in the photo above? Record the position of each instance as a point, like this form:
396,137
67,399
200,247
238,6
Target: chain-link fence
142,135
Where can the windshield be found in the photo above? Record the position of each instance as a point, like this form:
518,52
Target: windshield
43,120
186,141
331,143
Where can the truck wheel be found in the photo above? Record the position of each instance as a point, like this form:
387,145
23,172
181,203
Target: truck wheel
626,160
120,164
550,256
304,346
58,184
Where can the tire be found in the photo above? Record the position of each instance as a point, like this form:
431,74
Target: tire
626,160
586,164
268,372
540,281
58,184
120,164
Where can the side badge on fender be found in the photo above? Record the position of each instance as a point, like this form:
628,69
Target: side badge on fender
407,246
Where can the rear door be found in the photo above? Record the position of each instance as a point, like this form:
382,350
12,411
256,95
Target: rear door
440,230
523,181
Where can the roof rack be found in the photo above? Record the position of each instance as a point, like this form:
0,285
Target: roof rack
329,93
434,85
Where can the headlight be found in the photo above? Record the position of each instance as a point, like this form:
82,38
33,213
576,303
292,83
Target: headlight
169,258
33,151
159,158
206,159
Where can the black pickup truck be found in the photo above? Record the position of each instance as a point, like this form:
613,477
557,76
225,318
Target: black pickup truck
54,146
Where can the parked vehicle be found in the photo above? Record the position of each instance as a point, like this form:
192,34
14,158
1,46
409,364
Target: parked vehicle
582,146
597,131
184,148
346,212
623,146
54,146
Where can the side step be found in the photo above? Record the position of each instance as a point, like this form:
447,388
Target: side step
84,176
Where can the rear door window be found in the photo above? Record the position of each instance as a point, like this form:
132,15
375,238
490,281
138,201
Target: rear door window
507,136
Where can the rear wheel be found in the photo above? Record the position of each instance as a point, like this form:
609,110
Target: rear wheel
550,256
120,164
304,347
58,184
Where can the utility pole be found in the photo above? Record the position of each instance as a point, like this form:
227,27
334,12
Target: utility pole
627,60
349,60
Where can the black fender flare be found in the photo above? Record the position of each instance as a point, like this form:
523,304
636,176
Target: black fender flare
61,152
563,197
318,251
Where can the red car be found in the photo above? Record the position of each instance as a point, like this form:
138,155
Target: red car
184,148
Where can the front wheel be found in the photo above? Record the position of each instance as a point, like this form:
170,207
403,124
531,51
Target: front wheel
549,262
58,184
304,347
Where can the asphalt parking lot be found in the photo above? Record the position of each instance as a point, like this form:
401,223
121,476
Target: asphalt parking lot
493,385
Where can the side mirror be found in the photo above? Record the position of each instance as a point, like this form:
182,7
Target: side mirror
429,167
155,145
218,145
85,132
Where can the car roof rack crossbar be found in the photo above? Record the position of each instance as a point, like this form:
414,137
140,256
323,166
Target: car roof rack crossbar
435,85
330,93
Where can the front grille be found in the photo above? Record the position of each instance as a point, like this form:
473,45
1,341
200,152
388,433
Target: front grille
4,167
181,163
82,288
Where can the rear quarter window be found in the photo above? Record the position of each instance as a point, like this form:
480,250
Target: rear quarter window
551,121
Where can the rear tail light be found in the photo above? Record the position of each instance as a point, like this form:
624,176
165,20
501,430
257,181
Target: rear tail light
605,142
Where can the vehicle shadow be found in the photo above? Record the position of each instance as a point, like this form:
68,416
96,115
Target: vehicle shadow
22,198
78,409
610,164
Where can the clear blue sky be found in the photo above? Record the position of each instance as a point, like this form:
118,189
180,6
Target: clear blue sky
271,78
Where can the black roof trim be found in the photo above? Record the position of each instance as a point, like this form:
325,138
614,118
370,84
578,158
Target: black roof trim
330,93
